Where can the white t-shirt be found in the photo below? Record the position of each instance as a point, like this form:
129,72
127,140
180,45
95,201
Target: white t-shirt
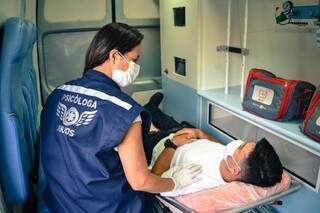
137,119
208,155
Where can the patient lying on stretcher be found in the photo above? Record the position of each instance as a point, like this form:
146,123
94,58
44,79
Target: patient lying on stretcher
251,162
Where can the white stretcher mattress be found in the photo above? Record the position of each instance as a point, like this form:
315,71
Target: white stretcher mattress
175,206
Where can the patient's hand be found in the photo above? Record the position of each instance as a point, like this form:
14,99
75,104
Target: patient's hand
182,139
153,128
191,133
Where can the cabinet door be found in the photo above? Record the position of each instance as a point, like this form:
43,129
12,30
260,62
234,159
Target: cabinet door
180,45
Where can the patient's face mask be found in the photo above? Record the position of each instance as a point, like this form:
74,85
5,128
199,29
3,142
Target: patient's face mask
230,150
125,77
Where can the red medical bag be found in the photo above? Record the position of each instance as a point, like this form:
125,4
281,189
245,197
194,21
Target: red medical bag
311,124
275,98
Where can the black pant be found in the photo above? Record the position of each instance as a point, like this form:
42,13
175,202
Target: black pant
165,124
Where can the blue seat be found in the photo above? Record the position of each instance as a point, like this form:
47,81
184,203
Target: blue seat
42,182
19,109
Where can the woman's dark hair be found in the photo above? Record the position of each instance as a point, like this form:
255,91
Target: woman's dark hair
263,166
111,36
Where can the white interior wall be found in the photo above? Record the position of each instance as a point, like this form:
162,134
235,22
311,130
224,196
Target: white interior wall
237,24
214,33
9,8
162,36
17,8
287,53
30,10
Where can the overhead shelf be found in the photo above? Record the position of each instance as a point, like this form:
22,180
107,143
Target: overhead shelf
231,102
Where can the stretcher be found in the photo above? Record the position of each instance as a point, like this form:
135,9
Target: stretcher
171,205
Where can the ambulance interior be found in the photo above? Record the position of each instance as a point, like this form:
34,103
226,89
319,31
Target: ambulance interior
198,53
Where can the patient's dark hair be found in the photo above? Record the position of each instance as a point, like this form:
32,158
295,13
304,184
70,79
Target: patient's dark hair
111,36
263,166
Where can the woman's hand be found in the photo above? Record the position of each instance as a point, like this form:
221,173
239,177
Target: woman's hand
191,133
185,175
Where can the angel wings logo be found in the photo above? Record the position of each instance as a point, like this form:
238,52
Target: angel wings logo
71,117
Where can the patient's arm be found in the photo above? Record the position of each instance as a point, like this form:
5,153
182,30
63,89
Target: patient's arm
204,135
163,162
196,134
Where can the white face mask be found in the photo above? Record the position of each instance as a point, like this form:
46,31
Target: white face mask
230,149
125,77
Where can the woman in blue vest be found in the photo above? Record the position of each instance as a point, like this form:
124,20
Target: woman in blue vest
92,134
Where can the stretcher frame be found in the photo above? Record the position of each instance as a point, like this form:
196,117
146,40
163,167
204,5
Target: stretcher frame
176,206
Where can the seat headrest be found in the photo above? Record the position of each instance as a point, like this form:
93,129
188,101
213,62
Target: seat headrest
17,30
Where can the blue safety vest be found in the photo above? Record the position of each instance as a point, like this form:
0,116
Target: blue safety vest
82,123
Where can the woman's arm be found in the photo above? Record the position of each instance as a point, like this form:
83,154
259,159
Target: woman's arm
135,164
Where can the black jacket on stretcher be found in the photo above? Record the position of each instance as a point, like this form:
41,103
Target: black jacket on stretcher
82,123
